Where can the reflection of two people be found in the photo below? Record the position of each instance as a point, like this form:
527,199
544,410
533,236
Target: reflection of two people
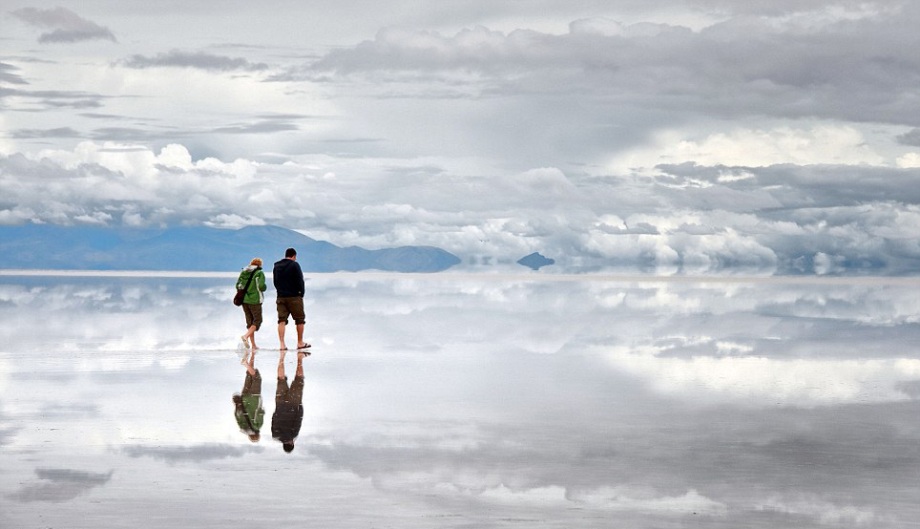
249,412
288,415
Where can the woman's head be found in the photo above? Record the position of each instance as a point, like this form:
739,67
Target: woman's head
256,261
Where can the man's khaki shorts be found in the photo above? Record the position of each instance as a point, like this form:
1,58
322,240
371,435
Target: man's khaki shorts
292,307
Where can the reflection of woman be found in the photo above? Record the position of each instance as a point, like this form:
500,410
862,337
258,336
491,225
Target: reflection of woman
249,412
252,301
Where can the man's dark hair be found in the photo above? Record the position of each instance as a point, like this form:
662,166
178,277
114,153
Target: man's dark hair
290,252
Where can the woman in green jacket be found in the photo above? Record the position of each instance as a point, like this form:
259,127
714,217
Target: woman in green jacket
252,302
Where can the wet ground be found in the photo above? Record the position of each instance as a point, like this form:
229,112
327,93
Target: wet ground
457,401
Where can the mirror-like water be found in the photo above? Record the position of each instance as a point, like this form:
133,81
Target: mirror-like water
450,401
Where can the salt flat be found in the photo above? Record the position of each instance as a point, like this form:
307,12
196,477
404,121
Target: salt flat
458,401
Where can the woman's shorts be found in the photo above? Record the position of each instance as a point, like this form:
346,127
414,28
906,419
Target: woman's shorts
253,314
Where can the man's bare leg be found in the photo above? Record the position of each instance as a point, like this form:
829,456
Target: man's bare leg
300,343
281,366
281,328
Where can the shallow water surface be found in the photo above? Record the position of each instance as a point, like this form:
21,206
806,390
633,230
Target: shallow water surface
451,401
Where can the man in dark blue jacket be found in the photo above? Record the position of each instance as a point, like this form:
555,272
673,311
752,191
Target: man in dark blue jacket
288,279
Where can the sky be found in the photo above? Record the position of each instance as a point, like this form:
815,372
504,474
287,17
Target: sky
686,135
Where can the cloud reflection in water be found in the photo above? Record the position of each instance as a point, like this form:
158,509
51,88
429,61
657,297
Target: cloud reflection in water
451,401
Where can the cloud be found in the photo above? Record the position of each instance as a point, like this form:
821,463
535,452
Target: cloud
7,433
804,65
60,485
465,470
261,127
60,132
806,188
824,512
7,74
612,499
910,160
66,26
190,454
53,99
779,218
823,144
133,134
59,411
198,60
626,499
760,379
630,451
911,138
815,10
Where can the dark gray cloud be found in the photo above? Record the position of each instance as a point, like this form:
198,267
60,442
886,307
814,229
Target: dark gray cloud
6,435
61,132
65,25
134,134
190,454
750,466
851,69
198,60
8,75
69,410
911,138
261,127
59,485
102,115
783,7
791,186
52,99
7,432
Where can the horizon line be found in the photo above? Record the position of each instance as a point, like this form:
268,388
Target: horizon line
518,276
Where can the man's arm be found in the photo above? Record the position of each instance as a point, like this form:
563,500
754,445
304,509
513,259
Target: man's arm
278,275
300,285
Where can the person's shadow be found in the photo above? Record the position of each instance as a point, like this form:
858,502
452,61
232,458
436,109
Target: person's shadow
248,405
288,415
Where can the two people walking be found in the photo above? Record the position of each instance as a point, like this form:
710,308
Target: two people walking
287,278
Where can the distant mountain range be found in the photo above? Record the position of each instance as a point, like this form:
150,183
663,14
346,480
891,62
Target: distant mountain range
198,249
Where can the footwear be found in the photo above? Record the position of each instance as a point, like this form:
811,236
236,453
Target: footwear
304,346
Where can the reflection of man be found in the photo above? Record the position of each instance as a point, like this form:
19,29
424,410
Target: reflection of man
288,414
249,412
